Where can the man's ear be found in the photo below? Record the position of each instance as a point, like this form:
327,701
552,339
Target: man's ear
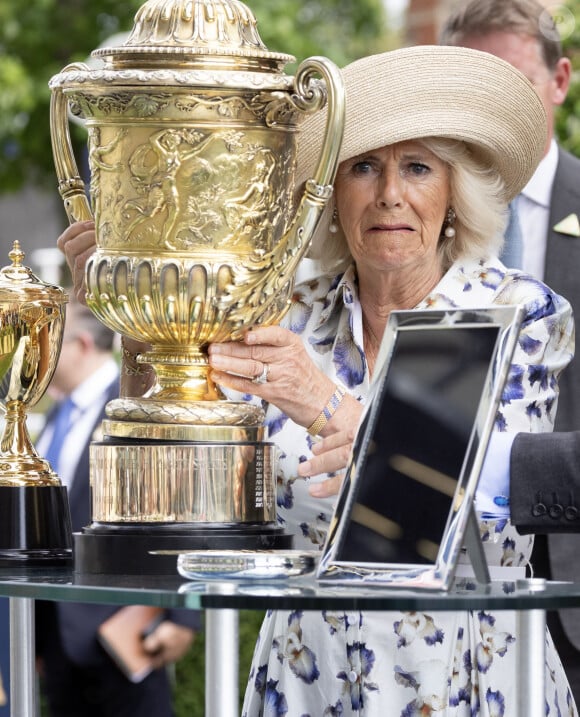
561,76
86,340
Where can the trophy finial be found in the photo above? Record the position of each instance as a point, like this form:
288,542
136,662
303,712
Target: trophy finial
18,280
16,256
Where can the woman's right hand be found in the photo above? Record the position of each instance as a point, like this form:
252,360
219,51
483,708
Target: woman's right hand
77,243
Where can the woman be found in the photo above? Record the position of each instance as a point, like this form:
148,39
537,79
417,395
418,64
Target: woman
435,145
437,141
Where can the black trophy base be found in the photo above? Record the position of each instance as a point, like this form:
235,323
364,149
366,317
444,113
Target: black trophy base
35,527
115,549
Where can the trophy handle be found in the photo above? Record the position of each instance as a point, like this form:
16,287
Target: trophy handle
70,185
309,97
318,189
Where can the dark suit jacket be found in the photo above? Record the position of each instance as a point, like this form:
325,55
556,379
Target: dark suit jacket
79,621
545,482
561,274
562,268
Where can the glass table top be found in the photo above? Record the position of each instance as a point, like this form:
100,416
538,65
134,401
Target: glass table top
303,592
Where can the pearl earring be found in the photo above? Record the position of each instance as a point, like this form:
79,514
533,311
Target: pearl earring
333,227
450,220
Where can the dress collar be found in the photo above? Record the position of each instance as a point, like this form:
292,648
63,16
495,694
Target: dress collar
342,292
463,273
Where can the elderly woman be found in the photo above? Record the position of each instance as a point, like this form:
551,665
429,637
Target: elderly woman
437,141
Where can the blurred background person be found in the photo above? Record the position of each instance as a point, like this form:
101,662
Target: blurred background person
523,33
78,678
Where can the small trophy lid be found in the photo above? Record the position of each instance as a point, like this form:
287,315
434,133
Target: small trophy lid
17,282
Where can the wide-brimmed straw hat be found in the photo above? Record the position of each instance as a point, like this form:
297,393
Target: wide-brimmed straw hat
438,91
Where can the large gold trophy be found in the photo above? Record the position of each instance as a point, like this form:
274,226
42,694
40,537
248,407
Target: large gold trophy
35,525
192,129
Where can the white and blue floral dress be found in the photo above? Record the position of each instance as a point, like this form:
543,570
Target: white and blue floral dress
392,664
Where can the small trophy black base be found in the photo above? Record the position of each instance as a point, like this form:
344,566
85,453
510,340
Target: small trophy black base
35,527
115,549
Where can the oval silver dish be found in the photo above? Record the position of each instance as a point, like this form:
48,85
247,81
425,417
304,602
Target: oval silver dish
245,564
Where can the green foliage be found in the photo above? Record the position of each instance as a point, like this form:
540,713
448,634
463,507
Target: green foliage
38,38
189,695
339,29
567,127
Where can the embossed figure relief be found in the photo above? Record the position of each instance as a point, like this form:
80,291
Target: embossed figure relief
178,188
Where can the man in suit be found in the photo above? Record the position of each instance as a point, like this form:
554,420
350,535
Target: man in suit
523,33
77,676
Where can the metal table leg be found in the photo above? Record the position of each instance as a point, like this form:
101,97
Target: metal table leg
531,661
221,663
22,672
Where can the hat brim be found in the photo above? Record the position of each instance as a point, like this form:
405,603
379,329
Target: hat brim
438,91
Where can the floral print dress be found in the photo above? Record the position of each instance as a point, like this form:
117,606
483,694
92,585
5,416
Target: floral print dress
392,664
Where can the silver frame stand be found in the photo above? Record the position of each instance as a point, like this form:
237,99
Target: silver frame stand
475,550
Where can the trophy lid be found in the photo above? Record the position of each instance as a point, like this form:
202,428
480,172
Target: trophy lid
219,33
17,282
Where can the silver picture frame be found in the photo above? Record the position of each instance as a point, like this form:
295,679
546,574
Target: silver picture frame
405,510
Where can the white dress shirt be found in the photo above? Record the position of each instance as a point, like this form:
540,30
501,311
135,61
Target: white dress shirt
533,205
493,489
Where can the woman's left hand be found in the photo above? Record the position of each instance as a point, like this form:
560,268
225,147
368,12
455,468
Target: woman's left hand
330,455
291,381
77,243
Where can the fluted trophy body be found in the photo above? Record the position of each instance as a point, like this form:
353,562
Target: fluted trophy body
192,129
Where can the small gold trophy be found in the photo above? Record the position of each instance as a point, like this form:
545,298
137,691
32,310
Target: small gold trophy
192,149
35,526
